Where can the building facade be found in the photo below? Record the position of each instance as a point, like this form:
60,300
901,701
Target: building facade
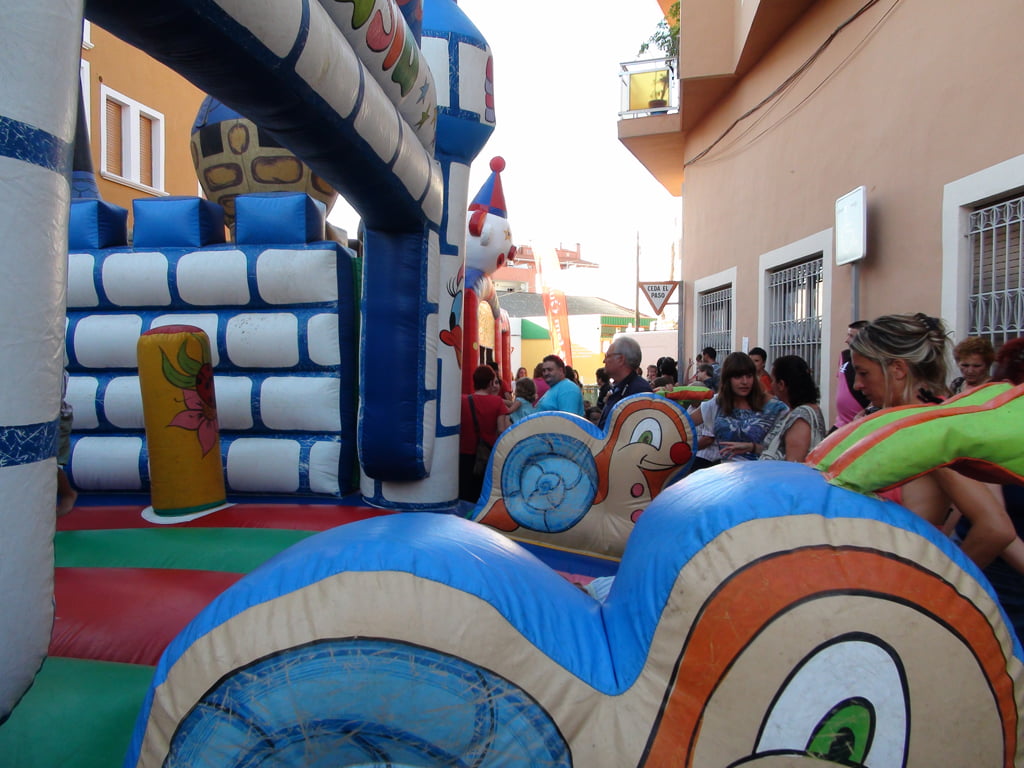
787,107
140,116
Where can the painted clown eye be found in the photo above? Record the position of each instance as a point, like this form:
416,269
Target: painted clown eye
845,734
846,702
647,431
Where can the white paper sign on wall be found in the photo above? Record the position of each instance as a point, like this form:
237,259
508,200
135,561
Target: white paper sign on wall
658,294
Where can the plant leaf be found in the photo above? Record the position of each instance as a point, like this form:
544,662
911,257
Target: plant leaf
187,364
174,376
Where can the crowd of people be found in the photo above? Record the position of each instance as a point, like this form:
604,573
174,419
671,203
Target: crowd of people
772,413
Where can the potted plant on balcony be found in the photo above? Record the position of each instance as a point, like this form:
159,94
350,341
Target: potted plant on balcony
666,35
665,39
659,92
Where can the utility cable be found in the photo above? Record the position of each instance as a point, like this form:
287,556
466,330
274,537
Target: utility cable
781,88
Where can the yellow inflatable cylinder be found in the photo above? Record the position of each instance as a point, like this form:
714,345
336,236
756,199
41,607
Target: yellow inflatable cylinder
180,413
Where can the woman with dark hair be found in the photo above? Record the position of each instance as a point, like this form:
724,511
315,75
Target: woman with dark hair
793,436
902,360
1010,362
741,414
667,367
484,417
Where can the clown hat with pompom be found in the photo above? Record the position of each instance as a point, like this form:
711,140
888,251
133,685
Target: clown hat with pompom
491,198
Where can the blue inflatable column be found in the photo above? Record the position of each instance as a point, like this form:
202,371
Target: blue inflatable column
40,46
458,57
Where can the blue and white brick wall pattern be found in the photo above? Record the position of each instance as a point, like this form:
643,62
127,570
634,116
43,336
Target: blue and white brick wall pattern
282,328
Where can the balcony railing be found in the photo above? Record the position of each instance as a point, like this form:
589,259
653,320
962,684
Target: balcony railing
649,87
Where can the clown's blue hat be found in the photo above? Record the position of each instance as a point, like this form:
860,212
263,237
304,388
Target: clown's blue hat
491,198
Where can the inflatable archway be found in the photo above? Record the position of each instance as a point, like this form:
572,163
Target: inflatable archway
347,87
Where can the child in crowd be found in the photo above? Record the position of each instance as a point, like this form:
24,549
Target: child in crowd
525,395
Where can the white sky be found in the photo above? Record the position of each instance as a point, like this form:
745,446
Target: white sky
568,179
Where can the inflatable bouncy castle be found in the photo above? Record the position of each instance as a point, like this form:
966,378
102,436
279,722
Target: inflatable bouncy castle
344,610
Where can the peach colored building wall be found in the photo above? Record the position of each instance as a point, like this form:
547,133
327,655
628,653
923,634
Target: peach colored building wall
914,99
135,75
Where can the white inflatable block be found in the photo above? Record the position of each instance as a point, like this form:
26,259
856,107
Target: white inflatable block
435,53
413,167
234,401
258,464
323,468
329,63
288,277
41,44
263,340
208,323
301,403
472,73
26,571
108,341
458,182
136,279
377,122
214,278
32,292
122,403
81,396
102,463
274,23
81,286
323,341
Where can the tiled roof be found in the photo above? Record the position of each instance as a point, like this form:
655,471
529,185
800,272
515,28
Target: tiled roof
523,304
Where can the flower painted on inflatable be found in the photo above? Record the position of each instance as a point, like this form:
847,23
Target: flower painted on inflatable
195,380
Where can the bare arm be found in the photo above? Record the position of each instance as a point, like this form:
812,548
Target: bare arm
503,422
1013,555
798,441
992,530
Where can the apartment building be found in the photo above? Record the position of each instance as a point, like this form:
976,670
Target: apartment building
805,135
140,115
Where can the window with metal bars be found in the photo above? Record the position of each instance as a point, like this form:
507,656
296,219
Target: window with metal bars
996,299
795,301
715,308
131,148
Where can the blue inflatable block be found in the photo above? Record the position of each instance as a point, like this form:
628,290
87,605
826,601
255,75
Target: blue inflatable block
96,224
278,217
166,222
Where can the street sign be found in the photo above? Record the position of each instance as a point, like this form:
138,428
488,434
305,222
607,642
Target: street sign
658,294
851,226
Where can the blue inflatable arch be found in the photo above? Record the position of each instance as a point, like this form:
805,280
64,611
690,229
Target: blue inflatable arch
348,87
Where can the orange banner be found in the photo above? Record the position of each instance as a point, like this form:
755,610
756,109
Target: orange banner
555,305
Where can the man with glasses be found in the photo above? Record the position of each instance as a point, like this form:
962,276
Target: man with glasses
621,362
564,394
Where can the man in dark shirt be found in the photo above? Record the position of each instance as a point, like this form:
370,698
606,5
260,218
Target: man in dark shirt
621,362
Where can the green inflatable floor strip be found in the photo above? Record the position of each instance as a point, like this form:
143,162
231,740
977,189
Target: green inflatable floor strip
234,550
77,714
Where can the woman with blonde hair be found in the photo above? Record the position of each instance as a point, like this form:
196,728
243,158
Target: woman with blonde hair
903,360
